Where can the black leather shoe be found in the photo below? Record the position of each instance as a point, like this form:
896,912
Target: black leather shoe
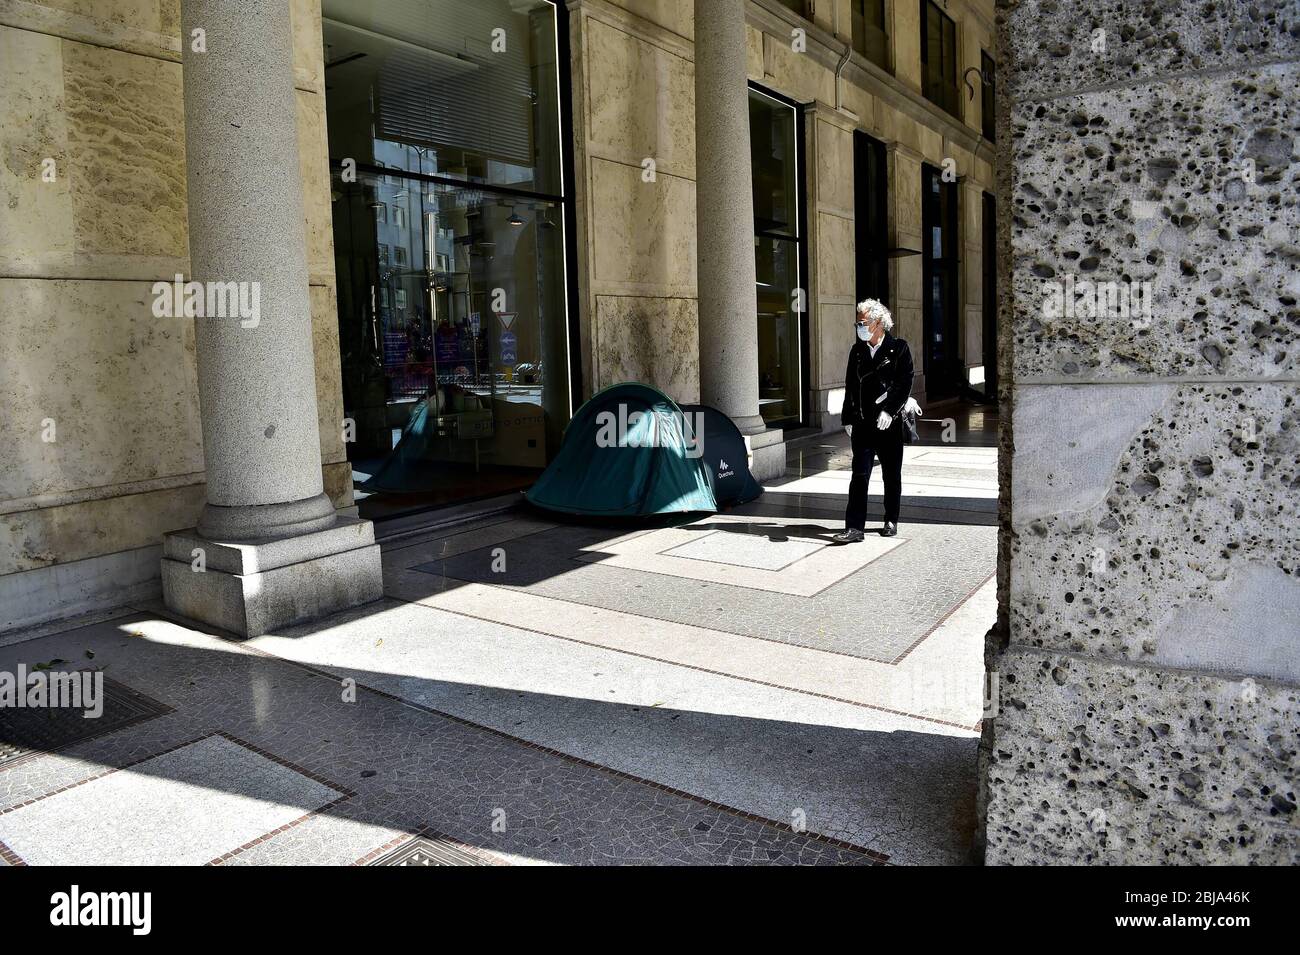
889,530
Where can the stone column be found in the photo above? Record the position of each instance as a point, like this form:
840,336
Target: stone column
724,210
257,385
1145,655
266,513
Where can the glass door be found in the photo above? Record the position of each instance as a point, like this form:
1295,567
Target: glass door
449,235
776,146
943,364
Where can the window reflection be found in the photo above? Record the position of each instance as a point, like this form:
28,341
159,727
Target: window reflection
871,217
870,35
939,58
774,146
449,244
416,85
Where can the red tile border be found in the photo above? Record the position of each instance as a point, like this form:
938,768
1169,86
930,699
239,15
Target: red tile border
10,856
744,636
668,552
346,794
415,568
100,775
944,619
878,858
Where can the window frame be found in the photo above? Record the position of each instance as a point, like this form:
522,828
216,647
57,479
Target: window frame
943,92
988,89
860,47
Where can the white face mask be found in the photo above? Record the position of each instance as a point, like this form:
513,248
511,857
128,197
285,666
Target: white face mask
864,333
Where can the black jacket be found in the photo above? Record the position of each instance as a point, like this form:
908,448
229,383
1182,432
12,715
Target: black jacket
867,378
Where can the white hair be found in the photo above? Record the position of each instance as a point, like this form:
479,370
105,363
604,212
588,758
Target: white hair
876,310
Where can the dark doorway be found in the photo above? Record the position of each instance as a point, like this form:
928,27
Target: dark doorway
990,260
870,218
780,258
943,362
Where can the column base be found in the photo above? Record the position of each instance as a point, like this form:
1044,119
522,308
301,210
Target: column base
254,522
253,587
766,453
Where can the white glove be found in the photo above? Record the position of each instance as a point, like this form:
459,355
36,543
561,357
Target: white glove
883,421
848,429
912,407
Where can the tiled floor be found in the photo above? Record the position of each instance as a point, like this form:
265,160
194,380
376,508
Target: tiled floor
187,806
873,600
731,690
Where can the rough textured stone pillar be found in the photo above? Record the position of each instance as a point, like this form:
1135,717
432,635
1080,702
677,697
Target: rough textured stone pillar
268,549
724,204
1148,666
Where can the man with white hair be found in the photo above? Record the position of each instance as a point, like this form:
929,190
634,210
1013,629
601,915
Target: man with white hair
877,387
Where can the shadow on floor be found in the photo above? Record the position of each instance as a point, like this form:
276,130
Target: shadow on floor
411,764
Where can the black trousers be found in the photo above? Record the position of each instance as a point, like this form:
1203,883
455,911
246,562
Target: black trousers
870,443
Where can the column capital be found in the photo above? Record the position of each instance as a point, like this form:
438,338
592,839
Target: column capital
897,148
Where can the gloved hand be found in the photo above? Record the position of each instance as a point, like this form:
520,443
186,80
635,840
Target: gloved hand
848,429
883,421
912,407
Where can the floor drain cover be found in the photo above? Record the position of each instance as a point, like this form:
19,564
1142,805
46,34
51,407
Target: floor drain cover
32,732
431,850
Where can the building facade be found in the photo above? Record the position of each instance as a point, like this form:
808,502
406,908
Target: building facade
499,206
464,218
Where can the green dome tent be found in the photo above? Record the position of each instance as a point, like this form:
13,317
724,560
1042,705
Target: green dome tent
629,451
725,457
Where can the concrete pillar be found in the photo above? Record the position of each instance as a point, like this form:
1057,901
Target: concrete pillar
257,385
268,549
1145,657
724,209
